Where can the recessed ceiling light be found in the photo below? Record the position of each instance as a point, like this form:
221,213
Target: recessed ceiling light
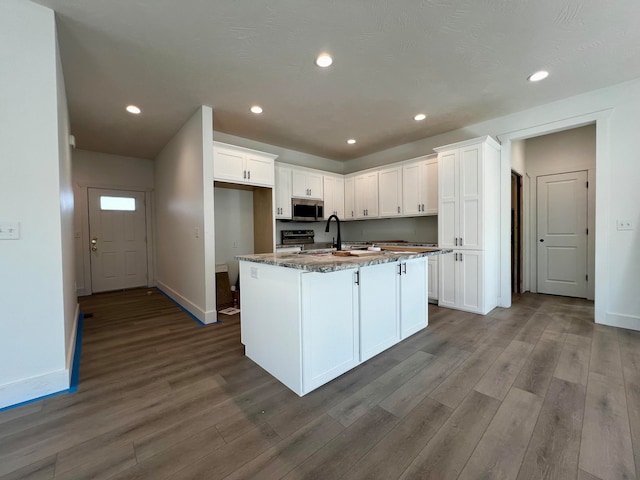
324,60
539,75
420,116
133,109
256,109
351,141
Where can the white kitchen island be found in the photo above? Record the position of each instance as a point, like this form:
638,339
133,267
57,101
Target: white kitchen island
308,318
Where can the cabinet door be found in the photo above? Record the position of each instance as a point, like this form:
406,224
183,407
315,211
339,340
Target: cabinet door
349,199
390,192
283,192
338,198
299,184
448,201
470,283
470,192
314,184
448,284
372,194
379,325
260,170
413,296
411,199
329,196
228,165
330,330
361,196
433,277
430,187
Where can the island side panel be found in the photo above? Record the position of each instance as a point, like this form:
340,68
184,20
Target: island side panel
330,326
270,320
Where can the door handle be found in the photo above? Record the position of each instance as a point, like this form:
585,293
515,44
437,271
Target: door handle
542,239
94,244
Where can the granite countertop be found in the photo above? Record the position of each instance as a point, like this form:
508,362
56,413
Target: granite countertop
324,261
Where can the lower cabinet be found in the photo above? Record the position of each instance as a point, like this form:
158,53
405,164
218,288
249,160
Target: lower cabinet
462,282
307,328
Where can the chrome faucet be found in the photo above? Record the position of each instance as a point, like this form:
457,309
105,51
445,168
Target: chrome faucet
339,242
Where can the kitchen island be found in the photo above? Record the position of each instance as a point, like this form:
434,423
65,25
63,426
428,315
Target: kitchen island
308,317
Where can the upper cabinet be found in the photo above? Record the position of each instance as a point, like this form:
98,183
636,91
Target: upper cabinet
465,177
349,198
390,192
283,192
420,187
242,165
307,184
366,195
333,196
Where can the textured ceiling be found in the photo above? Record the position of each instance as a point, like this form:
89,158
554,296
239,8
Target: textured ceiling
460,62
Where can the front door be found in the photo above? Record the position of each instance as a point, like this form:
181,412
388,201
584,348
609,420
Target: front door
117,234
562,234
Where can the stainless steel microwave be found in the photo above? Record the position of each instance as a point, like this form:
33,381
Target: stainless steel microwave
305,210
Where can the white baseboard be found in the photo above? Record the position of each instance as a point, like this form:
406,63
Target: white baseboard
201,315
622,321
33,388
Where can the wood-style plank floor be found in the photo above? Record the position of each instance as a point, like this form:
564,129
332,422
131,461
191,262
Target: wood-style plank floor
535,391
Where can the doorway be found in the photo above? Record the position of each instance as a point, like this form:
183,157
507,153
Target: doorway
118,239
562,234
516,233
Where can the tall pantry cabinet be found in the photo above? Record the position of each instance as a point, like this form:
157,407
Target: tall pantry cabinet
469,223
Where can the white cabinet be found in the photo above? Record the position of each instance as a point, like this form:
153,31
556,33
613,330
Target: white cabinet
307,184
433,278
461,281
242,165
420,187
393,304
333,196
413,299
379,315
283,192
366,195
349,198
390,192
468,222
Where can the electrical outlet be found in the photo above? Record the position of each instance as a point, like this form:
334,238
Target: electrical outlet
625,225
9,230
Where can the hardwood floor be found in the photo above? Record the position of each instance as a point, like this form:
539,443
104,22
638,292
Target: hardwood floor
531,392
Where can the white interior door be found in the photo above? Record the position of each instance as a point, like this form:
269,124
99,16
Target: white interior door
117,233
562,234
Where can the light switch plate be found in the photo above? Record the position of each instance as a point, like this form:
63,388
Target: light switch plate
625,225
9,230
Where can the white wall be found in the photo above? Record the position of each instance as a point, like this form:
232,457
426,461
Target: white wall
36,285
184,207
234,232
284,154
102,170
617,112
567,151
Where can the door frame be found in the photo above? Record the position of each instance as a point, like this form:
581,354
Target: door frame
601,217
81,195
517,253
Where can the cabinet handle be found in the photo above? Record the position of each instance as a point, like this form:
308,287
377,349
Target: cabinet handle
456,257
248,174
399,269
244,174
352,213
398,208
460,242
418,207
456,241
357,277
404,268
460,257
